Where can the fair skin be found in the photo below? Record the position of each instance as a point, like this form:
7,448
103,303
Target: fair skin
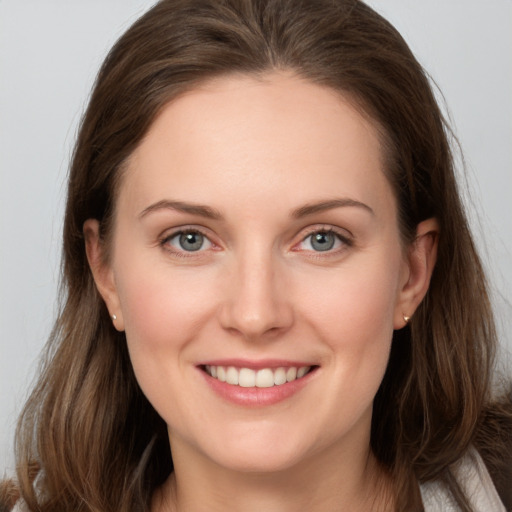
255,230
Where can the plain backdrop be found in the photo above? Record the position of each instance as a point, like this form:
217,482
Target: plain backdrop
50,51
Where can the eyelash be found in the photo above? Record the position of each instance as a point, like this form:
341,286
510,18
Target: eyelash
345,240
164,242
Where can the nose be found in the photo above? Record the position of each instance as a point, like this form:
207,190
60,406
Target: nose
256,304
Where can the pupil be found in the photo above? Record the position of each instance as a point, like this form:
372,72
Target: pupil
323,241
191,241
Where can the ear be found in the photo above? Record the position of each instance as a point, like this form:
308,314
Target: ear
102,272
419,265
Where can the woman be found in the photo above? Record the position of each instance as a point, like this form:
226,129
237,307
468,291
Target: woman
269,274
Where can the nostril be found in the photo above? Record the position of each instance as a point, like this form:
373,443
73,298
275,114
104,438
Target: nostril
255,320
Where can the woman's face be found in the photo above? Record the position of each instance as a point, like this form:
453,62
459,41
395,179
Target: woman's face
256,239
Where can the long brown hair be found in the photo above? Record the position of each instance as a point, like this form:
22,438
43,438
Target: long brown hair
96,442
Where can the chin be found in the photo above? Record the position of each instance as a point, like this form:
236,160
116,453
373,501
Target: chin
264,462
259,453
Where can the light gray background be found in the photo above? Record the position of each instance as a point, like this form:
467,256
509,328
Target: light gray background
49,53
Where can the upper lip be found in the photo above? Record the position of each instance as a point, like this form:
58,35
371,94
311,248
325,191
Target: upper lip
257,365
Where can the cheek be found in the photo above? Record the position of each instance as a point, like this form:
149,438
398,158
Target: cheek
369,301
355,320
163,311
160,305
353,314
356,300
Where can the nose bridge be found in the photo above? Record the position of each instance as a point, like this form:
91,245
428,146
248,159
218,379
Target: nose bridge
256,303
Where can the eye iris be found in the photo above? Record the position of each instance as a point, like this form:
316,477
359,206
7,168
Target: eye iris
322,241
191,241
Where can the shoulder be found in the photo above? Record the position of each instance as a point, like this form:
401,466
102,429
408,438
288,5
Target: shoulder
475,481
20,506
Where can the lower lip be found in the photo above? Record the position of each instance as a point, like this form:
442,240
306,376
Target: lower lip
256,397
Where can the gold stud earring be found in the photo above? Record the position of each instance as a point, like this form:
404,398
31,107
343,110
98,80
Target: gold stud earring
406,319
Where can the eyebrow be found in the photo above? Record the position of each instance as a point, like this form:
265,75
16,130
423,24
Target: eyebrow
321,206
180,206
211,213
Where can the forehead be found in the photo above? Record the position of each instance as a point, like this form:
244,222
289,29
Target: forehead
240,138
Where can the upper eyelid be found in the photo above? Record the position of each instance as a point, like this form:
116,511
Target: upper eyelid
345,237
172,232
163,243
341,232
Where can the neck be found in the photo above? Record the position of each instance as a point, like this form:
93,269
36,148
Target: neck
333,481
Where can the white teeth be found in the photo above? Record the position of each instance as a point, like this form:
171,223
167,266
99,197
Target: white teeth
247,378
232,376
264,378
291,374
302,371
279,376
221,373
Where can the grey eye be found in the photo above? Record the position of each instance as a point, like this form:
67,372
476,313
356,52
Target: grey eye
191,241
322,241
187,241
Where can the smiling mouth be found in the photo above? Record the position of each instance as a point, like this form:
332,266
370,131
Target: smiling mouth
262,378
